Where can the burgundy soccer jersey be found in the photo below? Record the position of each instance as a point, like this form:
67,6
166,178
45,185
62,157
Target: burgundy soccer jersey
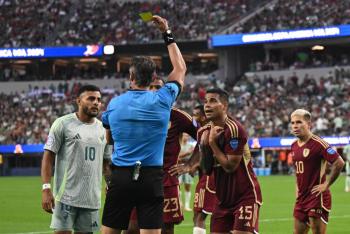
310,162
242,184
180,122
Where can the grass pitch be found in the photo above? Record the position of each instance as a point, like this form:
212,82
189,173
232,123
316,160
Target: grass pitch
20,207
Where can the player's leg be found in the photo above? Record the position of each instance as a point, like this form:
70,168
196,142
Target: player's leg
221,221
63,218
347,178
87,221
187,196
301,220
318,219
300,227
317,225
199,222
133,227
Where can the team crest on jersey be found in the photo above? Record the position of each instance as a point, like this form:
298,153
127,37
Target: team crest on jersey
306,152
50,141
234,143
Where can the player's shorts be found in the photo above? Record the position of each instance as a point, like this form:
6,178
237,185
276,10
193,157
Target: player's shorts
172,211
68,218
146,194
186,179
303,214
245,218
347,168
204,198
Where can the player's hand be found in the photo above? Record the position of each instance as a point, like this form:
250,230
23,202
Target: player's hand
48,202
179,169
215,131
161,23
205,138
318,189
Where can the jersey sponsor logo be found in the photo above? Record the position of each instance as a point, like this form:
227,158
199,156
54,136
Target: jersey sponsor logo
50,141
247,224
306,152
176,215
94,224
331,150
234,143
76,137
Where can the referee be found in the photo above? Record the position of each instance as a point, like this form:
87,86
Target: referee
137,122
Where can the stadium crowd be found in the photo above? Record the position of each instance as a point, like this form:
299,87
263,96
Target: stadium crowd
73,22
286,14
300,60
262,104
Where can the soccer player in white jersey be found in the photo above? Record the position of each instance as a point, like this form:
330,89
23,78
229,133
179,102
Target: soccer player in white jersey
77,143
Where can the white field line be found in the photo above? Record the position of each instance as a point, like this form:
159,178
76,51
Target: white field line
191,224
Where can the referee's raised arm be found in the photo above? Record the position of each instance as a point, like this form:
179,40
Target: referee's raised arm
179,65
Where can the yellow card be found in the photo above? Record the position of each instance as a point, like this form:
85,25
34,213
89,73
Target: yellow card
146,16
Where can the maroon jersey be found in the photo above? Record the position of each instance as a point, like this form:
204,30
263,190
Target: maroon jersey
242,184
180,122
310,162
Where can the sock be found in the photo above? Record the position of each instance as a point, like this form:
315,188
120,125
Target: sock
187,199
347,183
198,230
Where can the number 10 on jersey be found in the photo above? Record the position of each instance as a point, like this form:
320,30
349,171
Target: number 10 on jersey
90,153
299,167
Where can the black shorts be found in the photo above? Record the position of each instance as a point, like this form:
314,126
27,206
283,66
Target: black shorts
146,194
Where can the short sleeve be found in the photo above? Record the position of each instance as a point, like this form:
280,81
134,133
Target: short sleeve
168,93
56,137
104,117
108,151
330,154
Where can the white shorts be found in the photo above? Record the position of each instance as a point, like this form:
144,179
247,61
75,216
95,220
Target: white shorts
67,218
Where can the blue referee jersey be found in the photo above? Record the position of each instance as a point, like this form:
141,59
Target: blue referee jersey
138,120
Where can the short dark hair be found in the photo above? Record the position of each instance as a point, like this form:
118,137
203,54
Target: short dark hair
200,108
88,87
222,94
143,70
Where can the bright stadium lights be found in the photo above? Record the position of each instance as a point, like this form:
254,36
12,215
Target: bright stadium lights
88,60
317,47
108,49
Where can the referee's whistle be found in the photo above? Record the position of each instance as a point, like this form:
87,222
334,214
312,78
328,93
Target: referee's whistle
136,172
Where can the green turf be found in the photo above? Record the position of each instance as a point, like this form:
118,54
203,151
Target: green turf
20,207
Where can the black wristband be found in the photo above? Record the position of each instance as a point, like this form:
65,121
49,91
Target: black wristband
168,37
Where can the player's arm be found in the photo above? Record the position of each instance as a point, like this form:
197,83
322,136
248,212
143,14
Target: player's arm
190,166
336,168
48,202
227,161
179,65
107,172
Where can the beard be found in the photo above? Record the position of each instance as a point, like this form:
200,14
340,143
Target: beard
90,113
